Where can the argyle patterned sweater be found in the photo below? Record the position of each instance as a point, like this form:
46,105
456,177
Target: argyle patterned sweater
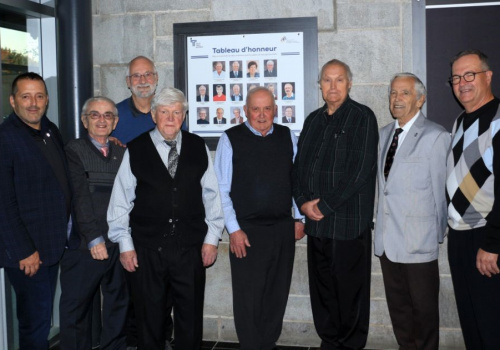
471,184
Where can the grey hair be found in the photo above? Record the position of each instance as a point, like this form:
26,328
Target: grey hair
482,57
169,96
257,89
337,62
98,99
419,86
140,58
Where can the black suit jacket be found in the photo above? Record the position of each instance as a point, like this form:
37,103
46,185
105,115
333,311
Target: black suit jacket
198,98
231,74
232,97
269,74
223,121
286,121
33,205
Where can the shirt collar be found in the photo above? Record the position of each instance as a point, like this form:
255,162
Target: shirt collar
408,125
255,132
96,143
158,138
134,110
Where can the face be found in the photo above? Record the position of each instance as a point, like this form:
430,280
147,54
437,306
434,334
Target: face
219,91
236,113
473,94
142,87
252,69
30,101
202,114
288,112
403,101
220,113
236,89
260,111
335,84
288,89
169,119
218,67
270,87
270,65
202,89
99,128
236,66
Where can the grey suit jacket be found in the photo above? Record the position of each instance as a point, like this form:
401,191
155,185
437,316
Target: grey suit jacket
411,212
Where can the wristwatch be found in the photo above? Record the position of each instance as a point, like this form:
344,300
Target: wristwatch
303,220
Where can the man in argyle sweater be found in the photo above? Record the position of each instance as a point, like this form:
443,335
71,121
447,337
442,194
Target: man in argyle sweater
474,214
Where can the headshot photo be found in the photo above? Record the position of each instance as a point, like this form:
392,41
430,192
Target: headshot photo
288,91
237,115
273,87
288,113
202,113
252,86
235,69
219,92
270,69
202,93
219,71
219,116
236,92
252,69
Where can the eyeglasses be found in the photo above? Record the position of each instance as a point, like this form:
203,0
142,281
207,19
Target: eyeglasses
97,115
468,77
147,76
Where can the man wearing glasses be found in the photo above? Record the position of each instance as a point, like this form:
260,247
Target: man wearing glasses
135,111
474,213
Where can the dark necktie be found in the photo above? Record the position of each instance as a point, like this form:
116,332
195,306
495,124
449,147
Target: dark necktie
392,152
173,158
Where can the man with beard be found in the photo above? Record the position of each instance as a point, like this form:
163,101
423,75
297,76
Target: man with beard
135,111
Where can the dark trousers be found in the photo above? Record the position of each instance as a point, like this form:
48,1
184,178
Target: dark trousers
412,293
261,283
177,270
81,277
339,284
34,302
477,296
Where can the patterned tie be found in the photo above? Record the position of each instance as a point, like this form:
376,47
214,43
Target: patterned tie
392,152
173,158
104,150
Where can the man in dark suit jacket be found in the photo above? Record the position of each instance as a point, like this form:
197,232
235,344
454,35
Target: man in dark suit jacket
219,119
288,117
35,207
202,96
270,71
235,71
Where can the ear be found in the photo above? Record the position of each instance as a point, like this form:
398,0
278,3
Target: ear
127,80
12,102
85,122
421,101
489,76
153,115
115,123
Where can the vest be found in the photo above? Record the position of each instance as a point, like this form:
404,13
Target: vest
261,190
166,207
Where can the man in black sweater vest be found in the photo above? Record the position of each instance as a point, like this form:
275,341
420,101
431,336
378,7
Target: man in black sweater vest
253,163
93,162
165,213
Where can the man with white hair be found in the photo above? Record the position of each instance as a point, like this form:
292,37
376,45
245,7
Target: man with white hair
270,71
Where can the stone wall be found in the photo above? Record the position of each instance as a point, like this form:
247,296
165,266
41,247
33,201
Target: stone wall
373,36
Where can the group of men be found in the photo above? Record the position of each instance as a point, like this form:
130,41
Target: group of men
157,208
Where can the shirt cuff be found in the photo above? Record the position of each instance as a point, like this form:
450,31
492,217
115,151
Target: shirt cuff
95,242
126,244
211,239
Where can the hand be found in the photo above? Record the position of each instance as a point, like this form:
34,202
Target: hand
299,231
129,260
31,264
99,251
311,210
486,263
238,241
116,141
208,254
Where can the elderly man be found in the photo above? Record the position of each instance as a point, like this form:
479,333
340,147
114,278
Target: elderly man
270,71
334,186
474,194
135,111
288,95
236,93
253,163
219,119
218,73
288,117
202,94
166,215
93,162
411,214
219,93
34,209
235,72
237,119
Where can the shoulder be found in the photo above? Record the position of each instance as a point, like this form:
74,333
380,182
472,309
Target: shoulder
76,144
361,108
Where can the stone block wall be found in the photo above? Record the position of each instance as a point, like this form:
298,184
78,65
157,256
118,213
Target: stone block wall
373,36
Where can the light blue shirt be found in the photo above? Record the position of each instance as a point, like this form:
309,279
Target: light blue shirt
123,196
224,171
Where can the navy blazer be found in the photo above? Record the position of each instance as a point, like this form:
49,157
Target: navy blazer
33,213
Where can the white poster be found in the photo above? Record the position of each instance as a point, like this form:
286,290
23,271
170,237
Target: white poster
223,68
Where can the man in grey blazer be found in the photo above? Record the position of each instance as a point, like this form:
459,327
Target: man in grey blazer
411,213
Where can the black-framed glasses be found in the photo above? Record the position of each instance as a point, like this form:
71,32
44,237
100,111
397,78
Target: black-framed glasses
468,77
147,76
97,115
